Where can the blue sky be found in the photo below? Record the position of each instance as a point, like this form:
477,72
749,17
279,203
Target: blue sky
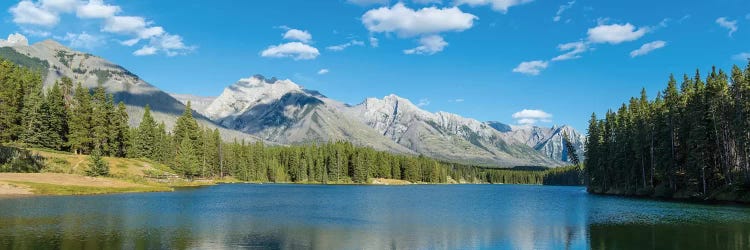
485,59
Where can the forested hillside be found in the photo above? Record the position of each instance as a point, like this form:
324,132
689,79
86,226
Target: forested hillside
691,141
69,117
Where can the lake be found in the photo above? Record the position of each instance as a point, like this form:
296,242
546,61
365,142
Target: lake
368,217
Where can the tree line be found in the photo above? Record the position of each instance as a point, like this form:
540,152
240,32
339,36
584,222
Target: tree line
82,121
693,139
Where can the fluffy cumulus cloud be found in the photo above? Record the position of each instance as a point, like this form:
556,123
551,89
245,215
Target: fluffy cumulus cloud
562,10
497,5
531,116
294,50
27,12
300,50
615,33
14,39
60,5
323,71
531,68
343,46
46,14
427,23
407,22
647,48
298,35
97,9
428,45
727,24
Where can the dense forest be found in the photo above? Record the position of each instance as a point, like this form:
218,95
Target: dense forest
68,117
691,141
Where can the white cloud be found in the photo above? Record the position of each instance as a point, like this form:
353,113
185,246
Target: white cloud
728,24
299,35
47,13
26,12
458,100
295,50
367,2
146,51
97,9
60,5
647,48
374,42
497,5
429,45
341,47
573,49
323,71
124,24
423,102
407,22
744,56
615,33
82,40
531,68
531,116
562,9
130,42
14,39
150,32
35,32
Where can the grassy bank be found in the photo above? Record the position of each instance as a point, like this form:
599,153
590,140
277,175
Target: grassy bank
63,173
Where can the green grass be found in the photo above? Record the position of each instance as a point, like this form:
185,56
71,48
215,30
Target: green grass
52,189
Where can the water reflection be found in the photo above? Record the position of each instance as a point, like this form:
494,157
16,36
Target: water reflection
355,217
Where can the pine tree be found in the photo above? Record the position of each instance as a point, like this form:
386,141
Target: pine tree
186,161
145,139
120,132
58,117
97,165
100,119
79,118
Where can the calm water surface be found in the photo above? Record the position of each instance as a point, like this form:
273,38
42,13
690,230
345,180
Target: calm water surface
369,217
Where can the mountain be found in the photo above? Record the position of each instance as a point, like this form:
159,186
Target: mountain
444,135
197,103
282,111
548,141
55,61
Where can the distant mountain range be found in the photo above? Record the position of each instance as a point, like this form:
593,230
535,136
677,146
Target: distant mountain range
282,112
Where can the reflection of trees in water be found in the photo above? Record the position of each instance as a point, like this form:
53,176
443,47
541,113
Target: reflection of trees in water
709,235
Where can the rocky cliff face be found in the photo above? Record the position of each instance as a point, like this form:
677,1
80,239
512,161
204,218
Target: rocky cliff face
283,112
444,135
549,140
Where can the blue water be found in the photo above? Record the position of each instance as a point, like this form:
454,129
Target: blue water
368,217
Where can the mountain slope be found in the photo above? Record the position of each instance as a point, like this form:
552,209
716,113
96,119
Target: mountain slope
283,112
444,135
57,61
548,141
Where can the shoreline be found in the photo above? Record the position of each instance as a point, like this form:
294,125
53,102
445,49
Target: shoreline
718,198
21,185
